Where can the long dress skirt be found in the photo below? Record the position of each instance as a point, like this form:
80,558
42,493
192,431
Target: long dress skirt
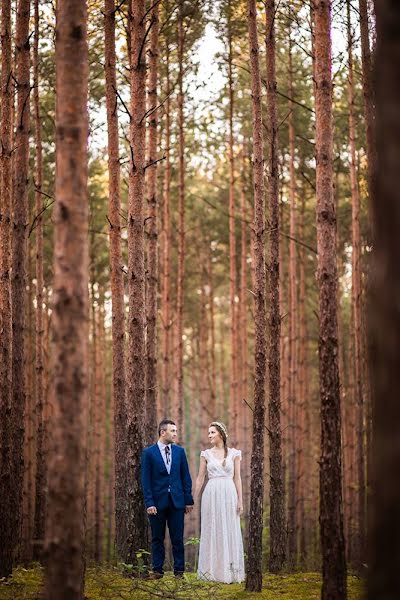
221,545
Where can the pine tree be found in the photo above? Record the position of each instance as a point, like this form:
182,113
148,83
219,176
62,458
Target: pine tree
117,284
384,314
136,280
65,534
277,509
6,506
254,569
331,517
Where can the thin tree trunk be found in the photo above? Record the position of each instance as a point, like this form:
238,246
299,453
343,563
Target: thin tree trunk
117,285
19,253
277,509
233,401
136,277
292,348
6,507
167,364
152,263
27,518
111,483
40,480
384,314
66,496
254,569
181,222
368,93
99,400
303,403
243,347
213,375
356,301
331,517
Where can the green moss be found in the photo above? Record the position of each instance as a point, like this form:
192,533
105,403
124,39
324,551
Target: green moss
108,584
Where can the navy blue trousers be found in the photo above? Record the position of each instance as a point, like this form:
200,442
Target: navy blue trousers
175,520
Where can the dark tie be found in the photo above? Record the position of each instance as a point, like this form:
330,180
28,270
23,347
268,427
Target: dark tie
167,451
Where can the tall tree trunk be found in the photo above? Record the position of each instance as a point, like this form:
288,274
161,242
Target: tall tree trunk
233,396
331,517
277,509
65,535
254,569
99,427
136,277
19,251
303,403
243,337
384,317
167,364
166,256
152,262
27,517
6,505
181,222
368,93
40,480
292,349
117,285
213,374
356,300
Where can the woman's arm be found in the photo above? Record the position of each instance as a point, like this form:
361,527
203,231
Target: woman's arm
238,483
200,478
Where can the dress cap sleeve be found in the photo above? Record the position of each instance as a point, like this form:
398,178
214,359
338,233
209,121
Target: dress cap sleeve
236,454
203,454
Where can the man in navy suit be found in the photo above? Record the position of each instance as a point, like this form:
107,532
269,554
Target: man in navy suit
167,490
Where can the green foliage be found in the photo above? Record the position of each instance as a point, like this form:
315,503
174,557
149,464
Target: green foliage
109,584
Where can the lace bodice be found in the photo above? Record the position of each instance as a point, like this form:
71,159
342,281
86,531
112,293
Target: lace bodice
215,467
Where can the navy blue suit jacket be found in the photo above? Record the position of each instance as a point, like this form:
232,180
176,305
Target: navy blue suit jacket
156,481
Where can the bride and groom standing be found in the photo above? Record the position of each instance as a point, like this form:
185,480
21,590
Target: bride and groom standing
167,489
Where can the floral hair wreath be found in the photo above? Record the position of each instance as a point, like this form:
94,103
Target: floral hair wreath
221,426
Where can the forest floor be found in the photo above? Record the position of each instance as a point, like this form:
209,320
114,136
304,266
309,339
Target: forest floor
108,584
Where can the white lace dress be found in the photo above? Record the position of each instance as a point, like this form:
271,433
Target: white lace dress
221,545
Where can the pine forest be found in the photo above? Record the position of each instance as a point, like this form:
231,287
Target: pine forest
199,221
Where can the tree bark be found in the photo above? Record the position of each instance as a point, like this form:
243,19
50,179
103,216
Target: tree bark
368,94
6,508
331,517
19,253
181,223
276,492
40,479
384,314
166,280
254,569
233,401
152,262
292,347
356,301
117,284
136,277
167,364
65,534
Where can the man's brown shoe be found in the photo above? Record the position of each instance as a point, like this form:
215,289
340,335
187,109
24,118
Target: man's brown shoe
154,575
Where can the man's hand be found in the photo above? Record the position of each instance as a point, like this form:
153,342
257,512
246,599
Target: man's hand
152,510
189,508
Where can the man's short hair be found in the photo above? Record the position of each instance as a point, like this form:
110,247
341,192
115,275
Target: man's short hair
164,425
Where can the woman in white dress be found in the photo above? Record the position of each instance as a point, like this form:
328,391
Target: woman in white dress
221,546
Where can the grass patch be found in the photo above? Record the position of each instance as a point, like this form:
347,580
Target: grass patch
108,584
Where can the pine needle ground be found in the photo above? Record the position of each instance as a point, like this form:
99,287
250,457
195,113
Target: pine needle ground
109,584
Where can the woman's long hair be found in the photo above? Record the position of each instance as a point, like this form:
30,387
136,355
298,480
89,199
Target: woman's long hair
223,432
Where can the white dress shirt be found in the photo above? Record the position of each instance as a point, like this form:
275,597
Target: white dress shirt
163,454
